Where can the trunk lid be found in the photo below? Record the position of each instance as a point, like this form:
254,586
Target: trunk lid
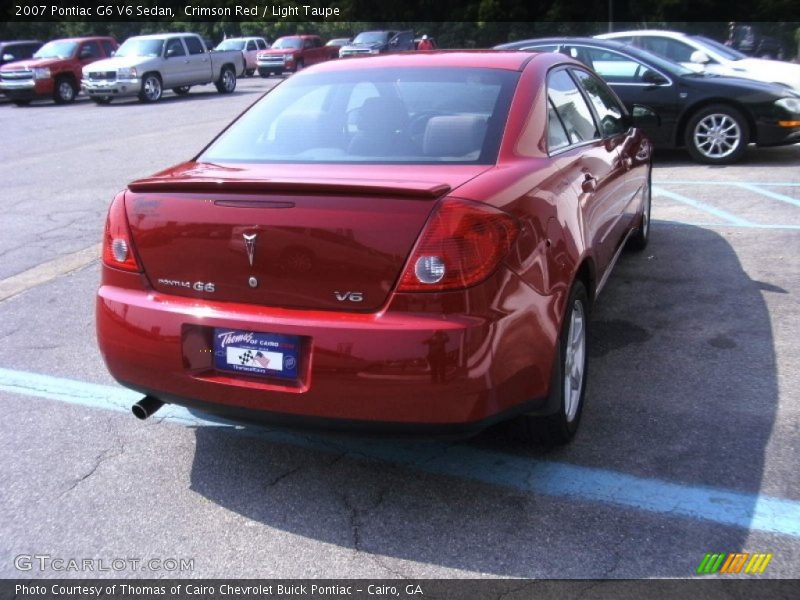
336,239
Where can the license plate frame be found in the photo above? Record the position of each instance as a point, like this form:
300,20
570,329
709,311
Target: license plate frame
256,353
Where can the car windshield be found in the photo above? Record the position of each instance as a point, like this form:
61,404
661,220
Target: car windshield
231,45
140,47
284,43
721,49
58,49
371,37
378,116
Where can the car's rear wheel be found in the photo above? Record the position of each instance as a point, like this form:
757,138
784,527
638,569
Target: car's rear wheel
640,237
64,91
717,135
151,88
568,382
226,83
182,90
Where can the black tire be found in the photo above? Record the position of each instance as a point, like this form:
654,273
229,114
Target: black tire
640,237
101,99
182,90
559,428
731,122
21,102
226,84
264,73
152,90
300,65
64,90
249,72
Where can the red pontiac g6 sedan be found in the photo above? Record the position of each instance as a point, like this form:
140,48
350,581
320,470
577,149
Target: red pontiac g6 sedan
404,242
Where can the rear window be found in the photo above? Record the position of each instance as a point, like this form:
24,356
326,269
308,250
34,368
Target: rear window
386,116
194,45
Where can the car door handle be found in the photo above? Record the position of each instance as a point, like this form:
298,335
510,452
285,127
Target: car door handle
589,183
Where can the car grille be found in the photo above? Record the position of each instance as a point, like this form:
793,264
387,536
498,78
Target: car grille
102,75
364,51
16,75
270,60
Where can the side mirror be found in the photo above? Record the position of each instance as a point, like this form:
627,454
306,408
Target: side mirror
699,57
644,117
8,57
653,78
393,42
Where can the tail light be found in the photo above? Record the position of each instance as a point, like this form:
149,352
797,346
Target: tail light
117,246
460,246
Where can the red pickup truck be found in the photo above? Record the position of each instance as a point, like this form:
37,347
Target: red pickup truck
54,71
292,53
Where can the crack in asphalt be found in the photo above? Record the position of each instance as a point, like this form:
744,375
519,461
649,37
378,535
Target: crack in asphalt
105,455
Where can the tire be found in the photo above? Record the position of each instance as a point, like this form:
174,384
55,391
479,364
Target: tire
301,64
21,102
152,89
249,72
182,90
559,428
226,84
264,73
717,135
640,237
101,99
64,91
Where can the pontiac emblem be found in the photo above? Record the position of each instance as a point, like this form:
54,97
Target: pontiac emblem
250,244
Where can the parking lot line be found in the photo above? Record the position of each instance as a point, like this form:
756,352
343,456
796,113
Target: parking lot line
704,182
530,475
713,210
769,193
16,284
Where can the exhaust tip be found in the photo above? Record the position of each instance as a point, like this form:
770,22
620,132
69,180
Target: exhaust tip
146,407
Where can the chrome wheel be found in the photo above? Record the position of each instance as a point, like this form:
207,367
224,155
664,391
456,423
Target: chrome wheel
646,199
574,361
151,88
228,81
66,92
717,135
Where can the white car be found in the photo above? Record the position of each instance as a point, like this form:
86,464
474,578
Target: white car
249,47
701,53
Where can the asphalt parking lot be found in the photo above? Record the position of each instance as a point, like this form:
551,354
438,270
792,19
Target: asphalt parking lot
689,442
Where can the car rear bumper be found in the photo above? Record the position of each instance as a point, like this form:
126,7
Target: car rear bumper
375,371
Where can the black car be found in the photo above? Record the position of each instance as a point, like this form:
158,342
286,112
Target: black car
378,42
17,50
713,117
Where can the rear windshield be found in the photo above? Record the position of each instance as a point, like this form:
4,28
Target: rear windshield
381,116
287,43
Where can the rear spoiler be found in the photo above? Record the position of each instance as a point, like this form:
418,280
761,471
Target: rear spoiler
376,187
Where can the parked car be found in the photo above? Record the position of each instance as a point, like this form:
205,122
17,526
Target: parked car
147,64
248,46
713,117
700,53
17,50
292,53
466,208
378,42
54,71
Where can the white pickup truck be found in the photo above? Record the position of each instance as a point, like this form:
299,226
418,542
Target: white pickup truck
146,65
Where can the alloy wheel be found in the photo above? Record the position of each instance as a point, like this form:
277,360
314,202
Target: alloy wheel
717,135
575,361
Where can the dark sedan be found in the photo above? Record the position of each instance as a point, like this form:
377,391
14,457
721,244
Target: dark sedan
713,117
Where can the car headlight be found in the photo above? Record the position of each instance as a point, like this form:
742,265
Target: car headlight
288,57
126,73
790,104
374,51
41,73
